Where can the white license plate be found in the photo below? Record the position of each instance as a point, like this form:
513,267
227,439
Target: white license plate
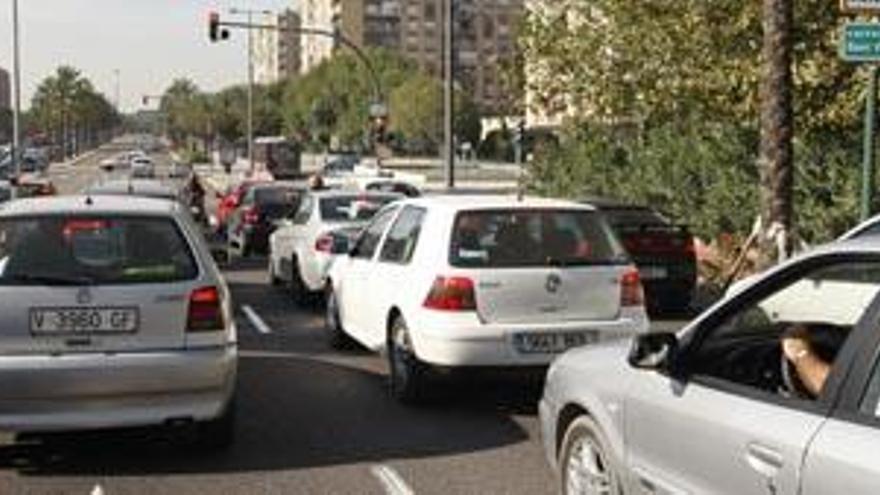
553,343
83,320
653,272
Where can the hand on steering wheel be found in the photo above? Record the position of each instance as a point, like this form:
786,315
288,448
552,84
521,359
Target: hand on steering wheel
795,343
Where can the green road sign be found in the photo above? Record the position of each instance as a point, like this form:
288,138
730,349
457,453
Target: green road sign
860,42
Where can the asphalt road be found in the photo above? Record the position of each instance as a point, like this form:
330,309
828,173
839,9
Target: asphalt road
311,420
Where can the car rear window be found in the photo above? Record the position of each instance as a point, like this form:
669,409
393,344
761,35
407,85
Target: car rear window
531,238
65,250
353,208
275,196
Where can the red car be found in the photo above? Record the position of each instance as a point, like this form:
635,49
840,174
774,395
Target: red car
230,202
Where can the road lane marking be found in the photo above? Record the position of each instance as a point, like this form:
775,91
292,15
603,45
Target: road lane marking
98,490
391,480
256,321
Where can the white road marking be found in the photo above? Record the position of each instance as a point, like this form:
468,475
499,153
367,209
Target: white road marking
391,480
98,490
256,321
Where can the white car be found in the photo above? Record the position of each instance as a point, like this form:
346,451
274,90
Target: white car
112,314
142,167
302,248
720,407
455,281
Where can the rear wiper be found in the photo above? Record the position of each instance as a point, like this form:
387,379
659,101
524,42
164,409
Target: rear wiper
52,279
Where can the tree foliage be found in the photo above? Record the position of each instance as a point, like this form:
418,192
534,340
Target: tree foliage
664,75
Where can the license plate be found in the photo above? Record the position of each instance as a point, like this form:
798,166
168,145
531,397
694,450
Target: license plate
552,343
47,321
653,272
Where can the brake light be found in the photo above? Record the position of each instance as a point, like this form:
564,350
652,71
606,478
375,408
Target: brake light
252,216
631,293
452,294
205,311
75,226
324,244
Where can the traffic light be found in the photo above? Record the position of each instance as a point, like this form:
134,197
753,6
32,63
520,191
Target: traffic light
215,33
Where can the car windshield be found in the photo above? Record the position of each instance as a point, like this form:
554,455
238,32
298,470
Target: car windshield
530,238
93,250
353,208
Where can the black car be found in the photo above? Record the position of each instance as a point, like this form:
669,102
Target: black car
253,221
663,251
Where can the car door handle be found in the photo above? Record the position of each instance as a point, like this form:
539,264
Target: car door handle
765,460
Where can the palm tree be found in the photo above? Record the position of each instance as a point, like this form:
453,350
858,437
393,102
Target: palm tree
777,123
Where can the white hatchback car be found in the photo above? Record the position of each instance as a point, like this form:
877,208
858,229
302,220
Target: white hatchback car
142,167
302,248
452,281
112,314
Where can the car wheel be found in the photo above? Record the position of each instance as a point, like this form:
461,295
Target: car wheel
585,464
274,281
336,336
218,433
298,287
407,374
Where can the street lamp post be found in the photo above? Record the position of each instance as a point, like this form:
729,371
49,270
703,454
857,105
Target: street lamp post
250,49
16,115
449,92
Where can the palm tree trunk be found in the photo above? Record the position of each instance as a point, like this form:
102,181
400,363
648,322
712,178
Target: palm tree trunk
777,125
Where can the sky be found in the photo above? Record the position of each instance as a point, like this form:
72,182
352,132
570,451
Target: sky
150,43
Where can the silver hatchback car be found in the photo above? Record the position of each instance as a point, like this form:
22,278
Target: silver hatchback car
112,314
774,390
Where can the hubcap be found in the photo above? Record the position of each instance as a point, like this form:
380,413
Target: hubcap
331,312
586,471
400,353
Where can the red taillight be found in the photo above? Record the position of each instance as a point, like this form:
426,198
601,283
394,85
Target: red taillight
205,311
631,293
452,294
324,244
252,216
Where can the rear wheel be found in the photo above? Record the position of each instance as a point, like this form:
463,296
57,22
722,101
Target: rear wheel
218,433
585,464
298,288
408,375
274,281
336,336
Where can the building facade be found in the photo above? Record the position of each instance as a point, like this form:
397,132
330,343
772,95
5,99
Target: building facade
5,90
484,37
277,51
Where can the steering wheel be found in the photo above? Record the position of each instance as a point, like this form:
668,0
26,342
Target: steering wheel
826,340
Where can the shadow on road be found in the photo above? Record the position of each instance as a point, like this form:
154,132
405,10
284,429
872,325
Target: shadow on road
298,413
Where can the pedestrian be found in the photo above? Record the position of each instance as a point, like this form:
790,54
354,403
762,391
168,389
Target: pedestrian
316,182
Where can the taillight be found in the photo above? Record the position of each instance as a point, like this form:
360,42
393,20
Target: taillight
631,293
252,216
452,294
205,311
324,244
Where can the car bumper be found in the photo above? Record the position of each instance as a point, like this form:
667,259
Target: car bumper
91,391
445,342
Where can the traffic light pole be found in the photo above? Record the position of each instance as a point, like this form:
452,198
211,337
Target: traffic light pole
449,93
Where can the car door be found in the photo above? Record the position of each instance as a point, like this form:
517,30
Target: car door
288,235
842,458
353,290
725,423
393,269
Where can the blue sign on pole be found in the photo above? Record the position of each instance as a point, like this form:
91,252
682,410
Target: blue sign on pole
860,42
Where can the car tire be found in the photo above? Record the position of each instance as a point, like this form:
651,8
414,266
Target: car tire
218,433
298,288
596,470
407,375
336,336
274,281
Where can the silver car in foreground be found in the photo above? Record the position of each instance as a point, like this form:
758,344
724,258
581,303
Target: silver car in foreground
112,314
718,408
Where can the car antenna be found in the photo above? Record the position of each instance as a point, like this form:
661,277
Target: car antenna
89,200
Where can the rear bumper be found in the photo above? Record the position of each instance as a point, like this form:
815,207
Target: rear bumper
91,391
445,342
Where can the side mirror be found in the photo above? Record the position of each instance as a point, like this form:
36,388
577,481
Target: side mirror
218,194
653,351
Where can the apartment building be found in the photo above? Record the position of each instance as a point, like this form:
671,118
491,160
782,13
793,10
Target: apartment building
277,50
5,90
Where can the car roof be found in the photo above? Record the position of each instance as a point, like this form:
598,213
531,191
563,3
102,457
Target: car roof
348,193
134,187
490,202
84,204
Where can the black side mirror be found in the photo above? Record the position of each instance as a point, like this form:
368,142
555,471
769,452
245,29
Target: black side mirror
654,351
